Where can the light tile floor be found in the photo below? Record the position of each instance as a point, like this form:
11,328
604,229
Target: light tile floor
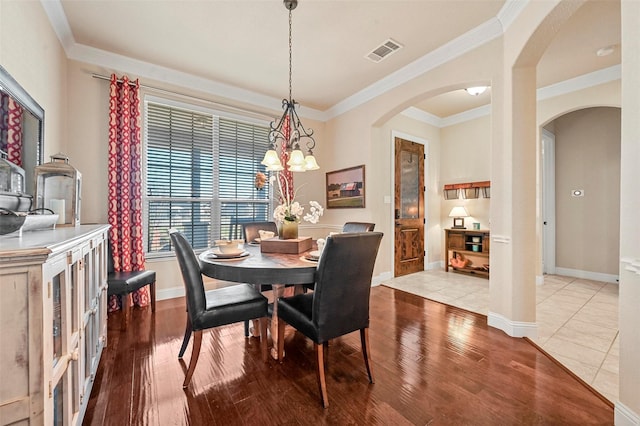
577,318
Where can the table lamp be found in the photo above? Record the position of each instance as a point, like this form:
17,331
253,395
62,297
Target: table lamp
458,214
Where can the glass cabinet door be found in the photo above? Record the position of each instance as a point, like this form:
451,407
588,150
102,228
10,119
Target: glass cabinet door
57,290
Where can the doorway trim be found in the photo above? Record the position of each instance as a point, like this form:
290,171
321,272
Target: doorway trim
412,138
548,202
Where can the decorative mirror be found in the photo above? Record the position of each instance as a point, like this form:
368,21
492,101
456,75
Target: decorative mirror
21,128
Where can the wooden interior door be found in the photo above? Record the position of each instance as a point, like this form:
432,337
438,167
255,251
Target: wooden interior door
409,207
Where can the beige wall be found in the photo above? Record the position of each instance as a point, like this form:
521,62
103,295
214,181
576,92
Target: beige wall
588,158
466,157
370,124
71,98
31,53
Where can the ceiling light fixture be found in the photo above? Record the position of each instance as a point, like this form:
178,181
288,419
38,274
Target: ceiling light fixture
288,131
475,91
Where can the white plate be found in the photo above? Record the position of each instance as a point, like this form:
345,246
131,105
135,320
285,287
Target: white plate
313,255
217,253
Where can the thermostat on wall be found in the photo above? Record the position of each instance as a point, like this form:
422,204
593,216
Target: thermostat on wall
577,192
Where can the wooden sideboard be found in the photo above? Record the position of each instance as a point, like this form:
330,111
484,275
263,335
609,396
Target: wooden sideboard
472,244
53,323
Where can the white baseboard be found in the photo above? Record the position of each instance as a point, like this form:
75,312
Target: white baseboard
624,416
379,279
438,264
512,328
169,293
587,275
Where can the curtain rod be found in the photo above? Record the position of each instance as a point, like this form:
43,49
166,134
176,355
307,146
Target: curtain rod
261,115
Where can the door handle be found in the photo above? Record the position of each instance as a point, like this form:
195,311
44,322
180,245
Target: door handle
398,224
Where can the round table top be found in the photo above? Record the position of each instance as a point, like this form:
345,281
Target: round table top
260,268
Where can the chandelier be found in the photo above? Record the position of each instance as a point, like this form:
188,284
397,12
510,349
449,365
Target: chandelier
288,132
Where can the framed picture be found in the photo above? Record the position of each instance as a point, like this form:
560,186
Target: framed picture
345,188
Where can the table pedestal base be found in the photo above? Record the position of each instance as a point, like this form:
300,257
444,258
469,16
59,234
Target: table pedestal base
279,290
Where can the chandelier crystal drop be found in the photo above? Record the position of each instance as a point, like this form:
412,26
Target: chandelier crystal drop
288,133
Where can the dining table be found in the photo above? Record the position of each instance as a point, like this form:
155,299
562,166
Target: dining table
256,267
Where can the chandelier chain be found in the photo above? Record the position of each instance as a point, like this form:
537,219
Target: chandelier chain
290,98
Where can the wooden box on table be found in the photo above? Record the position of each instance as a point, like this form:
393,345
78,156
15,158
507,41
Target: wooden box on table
292,246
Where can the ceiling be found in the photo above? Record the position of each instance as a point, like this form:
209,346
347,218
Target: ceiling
244,43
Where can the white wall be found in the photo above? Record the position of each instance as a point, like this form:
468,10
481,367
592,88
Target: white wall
628,406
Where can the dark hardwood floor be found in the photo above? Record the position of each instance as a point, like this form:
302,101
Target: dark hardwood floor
433,364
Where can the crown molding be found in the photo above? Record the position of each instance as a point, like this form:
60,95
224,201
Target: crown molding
468,115
59,22
468,41
584,81
474,38
422,116
109,60
83,53
510,11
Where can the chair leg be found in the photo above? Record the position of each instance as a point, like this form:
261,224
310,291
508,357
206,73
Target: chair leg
195,353
187,336
321,380
366,352
325,349
152,290
263,338
281,325
246,328
126,311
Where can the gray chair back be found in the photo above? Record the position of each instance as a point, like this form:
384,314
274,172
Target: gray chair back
343,284
251,229
358,227
190,268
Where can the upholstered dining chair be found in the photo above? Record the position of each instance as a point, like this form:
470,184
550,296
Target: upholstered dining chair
213,308
122,284
358,227
340,303
251,231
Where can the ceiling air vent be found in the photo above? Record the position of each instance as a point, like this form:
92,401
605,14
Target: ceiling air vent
385,49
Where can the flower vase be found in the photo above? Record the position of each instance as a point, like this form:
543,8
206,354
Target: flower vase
288,230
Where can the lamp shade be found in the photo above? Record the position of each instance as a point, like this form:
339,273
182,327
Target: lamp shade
310,163
296,159
458,211
272,161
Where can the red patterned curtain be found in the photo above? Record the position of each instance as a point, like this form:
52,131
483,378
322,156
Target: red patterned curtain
11,129
285,176
125,178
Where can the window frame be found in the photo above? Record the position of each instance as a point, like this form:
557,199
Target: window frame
215,201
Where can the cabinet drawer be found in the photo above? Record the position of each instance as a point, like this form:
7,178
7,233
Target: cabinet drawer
456,241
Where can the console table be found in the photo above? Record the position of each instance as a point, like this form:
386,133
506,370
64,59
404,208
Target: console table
53,322
472,244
